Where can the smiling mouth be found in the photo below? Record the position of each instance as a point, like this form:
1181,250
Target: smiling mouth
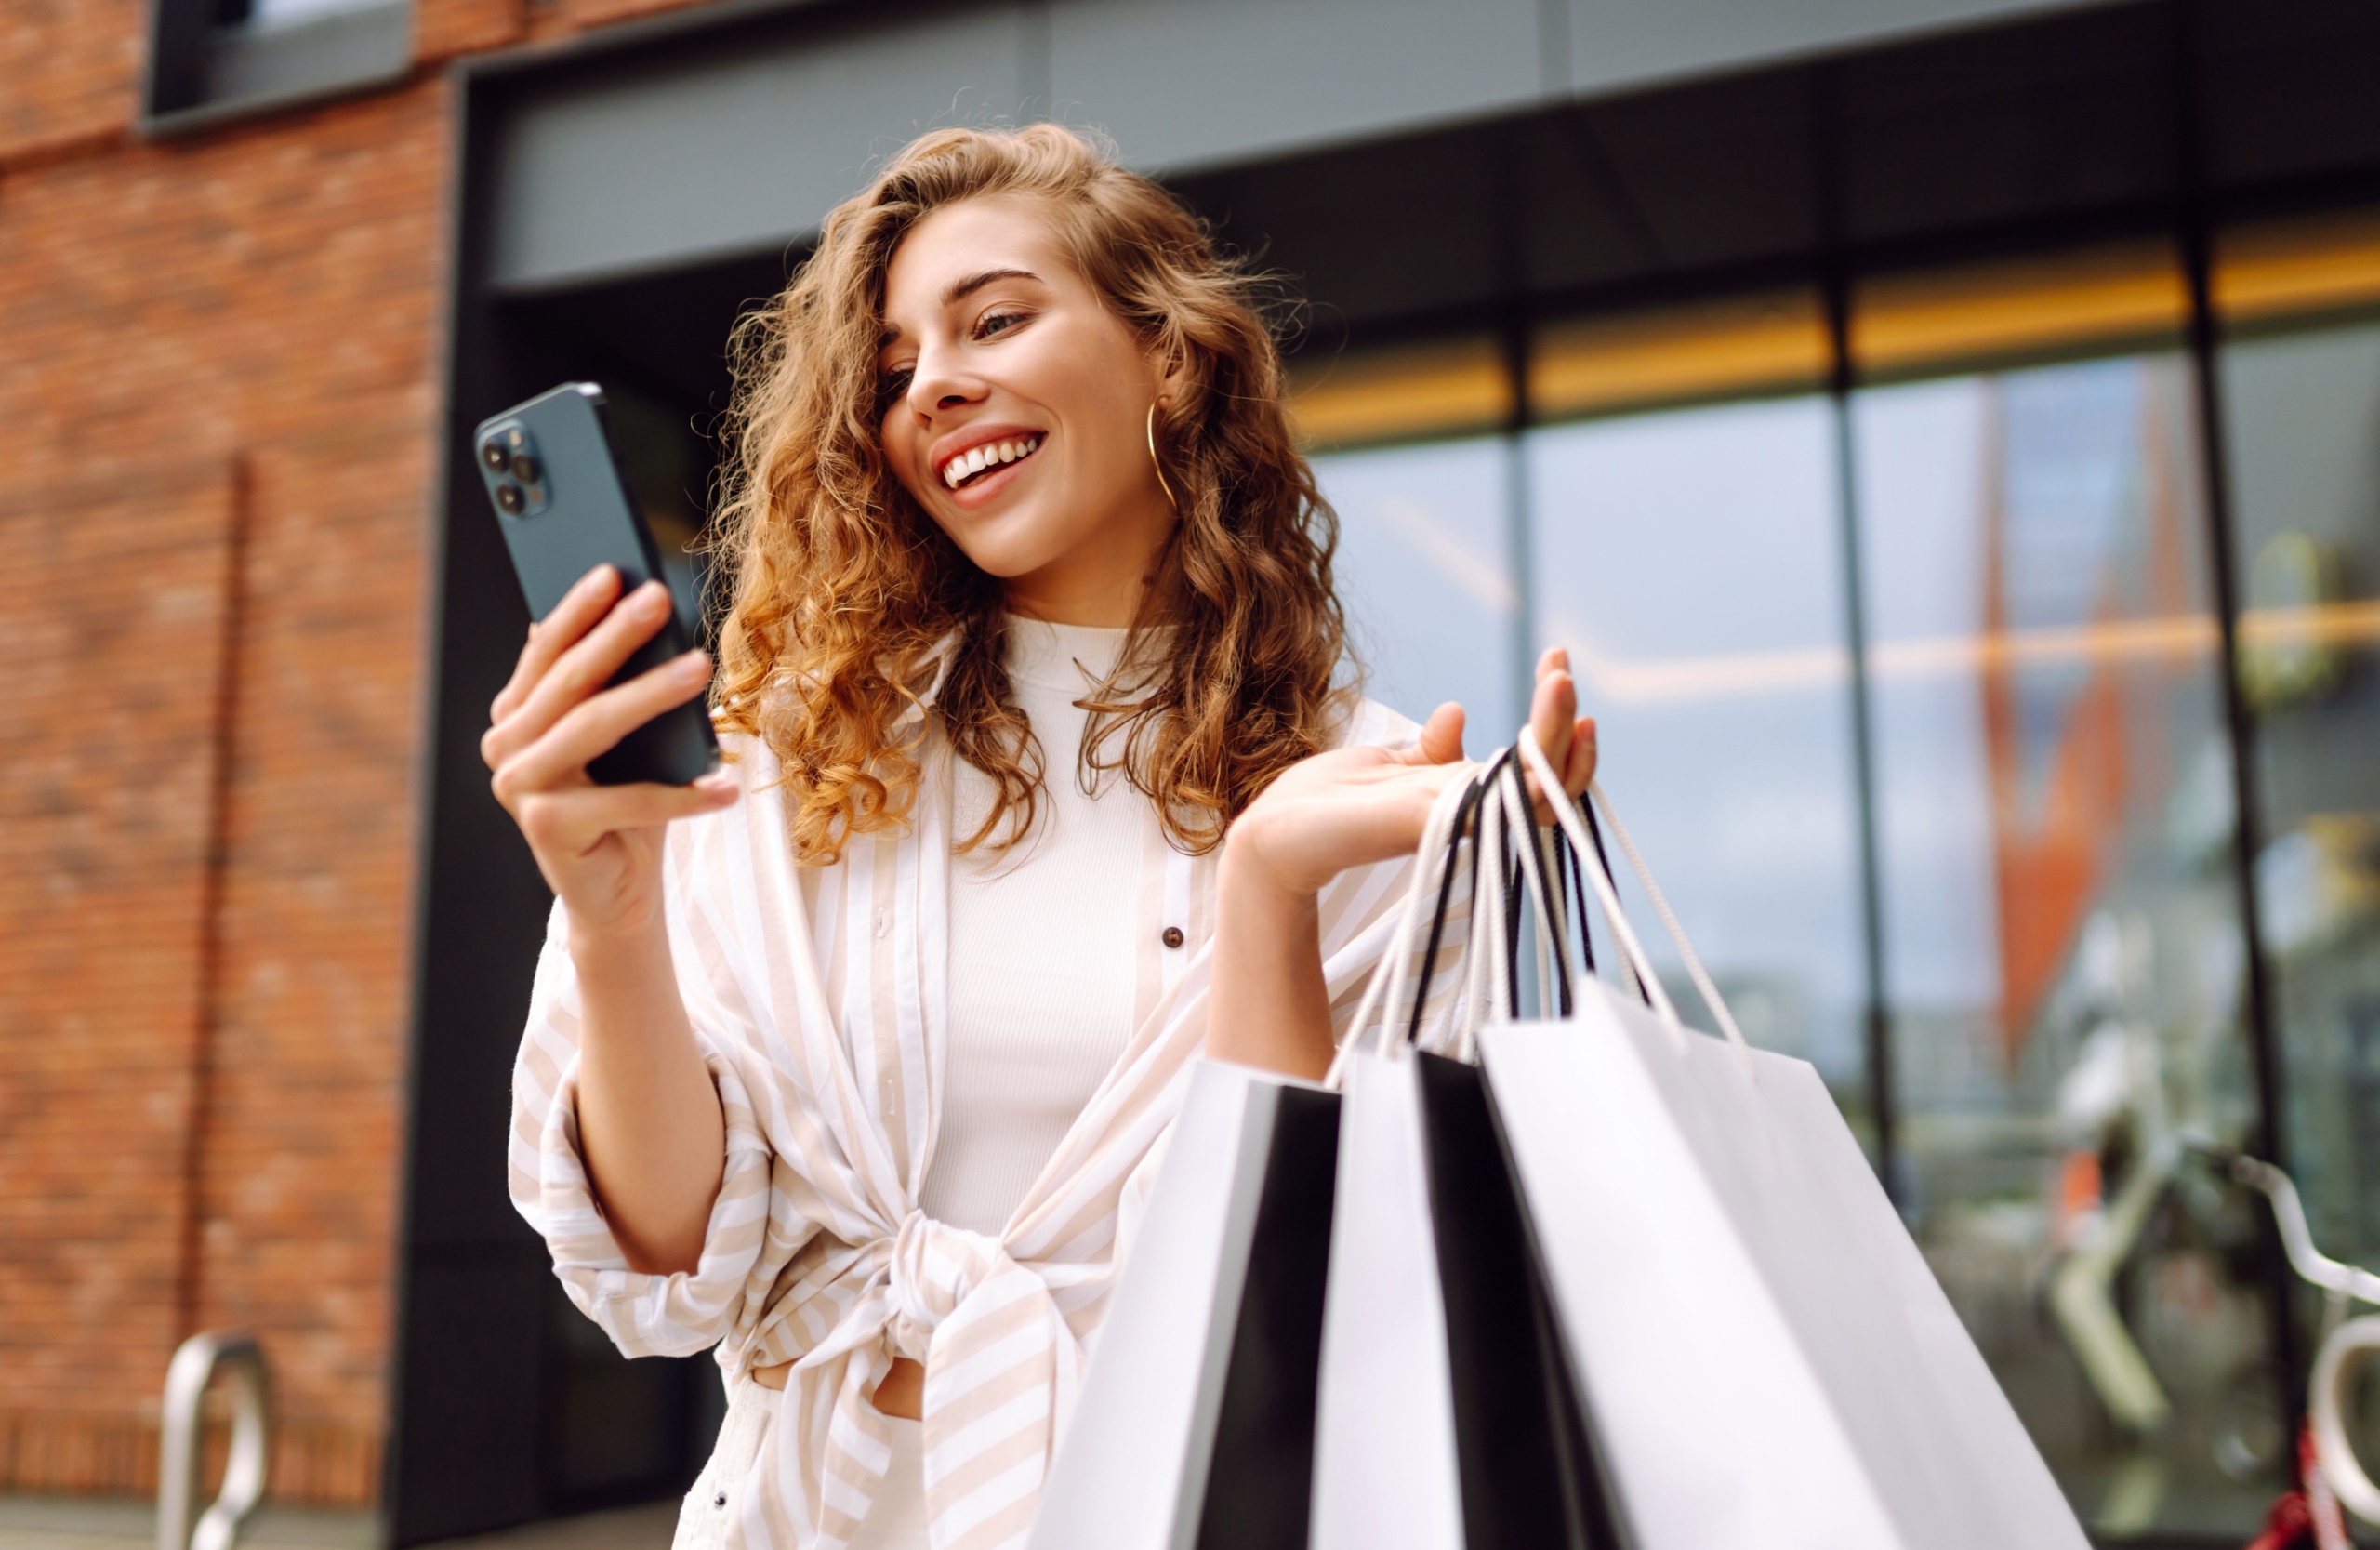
977,461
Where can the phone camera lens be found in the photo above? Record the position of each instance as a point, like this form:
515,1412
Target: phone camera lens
524,468
492,452
509,495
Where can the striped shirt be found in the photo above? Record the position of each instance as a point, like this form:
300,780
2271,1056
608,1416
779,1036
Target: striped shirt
818,996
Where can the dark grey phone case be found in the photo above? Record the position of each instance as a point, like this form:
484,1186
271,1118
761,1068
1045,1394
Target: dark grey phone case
562,498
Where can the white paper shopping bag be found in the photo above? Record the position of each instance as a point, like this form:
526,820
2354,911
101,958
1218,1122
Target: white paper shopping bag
1386,1473
1195,1423
1761,1351
1442,1423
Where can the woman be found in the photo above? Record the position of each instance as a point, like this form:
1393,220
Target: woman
852,1059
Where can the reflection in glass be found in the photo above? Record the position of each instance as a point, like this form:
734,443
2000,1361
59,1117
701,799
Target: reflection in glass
2063,955
1688,562
1425,571
2303,412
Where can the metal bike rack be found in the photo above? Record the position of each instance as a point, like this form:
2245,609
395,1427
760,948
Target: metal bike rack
2344,1348
193,1370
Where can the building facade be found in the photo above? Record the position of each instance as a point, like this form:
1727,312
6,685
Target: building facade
1945,433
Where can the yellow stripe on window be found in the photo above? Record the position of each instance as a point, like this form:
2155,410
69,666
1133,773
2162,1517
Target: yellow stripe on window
2123,293
1443,388
1741,345
2286,268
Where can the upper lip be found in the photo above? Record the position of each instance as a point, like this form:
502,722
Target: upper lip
960,443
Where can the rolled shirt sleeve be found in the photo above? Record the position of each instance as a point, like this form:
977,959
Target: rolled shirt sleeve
646,1315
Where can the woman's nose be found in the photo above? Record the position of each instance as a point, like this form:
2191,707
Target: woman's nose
939,384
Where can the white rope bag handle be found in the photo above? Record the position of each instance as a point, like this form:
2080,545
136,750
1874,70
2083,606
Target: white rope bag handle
1486,991
1606,896
1506,821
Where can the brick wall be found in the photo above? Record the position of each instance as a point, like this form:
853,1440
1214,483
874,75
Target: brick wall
217,451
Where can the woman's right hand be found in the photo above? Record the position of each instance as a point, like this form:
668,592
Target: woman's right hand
599,846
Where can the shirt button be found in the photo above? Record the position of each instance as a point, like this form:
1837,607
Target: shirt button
1171,936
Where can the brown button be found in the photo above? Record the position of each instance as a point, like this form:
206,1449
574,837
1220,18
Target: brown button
1173,938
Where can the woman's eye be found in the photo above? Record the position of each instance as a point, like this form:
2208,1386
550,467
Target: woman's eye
998,323
893,387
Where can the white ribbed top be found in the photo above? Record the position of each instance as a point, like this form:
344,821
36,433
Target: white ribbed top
1041,952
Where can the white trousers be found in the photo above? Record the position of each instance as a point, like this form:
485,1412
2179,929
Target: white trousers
896,1521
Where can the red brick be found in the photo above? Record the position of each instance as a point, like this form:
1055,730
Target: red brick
244,323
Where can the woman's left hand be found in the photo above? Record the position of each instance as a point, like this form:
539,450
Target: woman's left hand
1353,806
1348,807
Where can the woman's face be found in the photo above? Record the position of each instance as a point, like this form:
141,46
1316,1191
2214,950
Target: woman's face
1017,410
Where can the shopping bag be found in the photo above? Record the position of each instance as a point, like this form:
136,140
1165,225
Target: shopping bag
1759,1348
1194,1427
1446,1419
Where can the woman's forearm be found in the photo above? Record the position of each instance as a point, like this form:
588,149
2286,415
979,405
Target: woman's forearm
649,1121
1268,1006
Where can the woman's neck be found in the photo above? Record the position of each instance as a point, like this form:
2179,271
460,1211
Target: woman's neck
1105,600
1096,611
1100,581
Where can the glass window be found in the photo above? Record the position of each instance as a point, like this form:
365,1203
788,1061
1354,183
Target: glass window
2062,949
1425,572
207,57
1690,563
2303,417
2064,970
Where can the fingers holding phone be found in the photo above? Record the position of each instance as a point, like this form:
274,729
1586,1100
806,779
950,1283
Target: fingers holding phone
588,601
571,655
598,845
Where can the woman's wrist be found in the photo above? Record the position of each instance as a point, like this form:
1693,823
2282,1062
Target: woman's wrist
621,956
1269,1009
1244,878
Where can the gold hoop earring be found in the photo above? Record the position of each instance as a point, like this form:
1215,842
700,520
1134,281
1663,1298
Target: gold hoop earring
1157,464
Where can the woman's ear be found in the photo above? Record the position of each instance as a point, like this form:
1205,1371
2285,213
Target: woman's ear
1170,363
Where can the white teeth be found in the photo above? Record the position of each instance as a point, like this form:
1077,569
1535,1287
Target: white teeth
975,459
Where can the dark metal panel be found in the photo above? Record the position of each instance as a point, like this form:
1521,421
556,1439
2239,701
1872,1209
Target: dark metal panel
1630,43
2289,90
726,147
2069,116
504,1410
471,1399
694,149
1185,86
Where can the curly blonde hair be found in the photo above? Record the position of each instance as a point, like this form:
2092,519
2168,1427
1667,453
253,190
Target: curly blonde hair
843,591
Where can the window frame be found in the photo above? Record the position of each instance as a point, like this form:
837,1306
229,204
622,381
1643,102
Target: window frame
186,45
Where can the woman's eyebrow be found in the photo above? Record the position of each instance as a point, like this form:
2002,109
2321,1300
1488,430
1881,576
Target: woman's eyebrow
966,288
960,291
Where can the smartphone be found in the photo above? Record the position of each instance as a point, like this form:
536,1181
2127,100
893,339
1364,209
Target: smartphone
554,474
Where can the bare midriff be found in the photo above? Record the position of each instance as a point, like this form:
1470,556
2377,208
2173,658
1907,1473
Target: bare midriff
901,1394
